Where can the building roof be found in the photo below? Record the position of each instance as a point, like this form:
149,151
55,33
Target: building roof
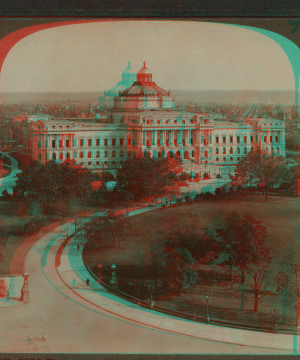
145,89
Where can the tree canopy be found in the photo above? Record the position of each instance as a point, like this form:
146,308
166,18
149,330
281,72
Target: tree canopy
146,177
52,180
258,168
242,239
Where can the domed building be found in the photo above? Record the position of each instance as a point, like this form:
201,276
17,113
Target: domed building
129,76
144,94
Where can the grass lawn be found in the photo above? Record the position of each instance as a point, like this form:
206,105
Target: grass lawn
278,214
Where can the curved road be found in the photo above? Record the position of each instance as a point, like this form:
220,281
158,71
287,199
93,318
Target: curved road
81,319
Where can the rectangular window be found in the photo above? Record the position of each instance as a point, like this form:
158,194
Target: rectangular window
209,139
39,144
129,141
46,144
251,138
245,139
97,142
256,138
60,143
67,143
202,138
265,139
276,138
105,142
238,139
89,142
113,141
53,144
271,138
224,139
133,142
74,142
121,141
217,139
81,142
231,138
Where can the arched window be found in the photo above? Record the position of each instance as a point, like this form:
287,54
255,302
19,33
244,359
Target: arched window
245,150
105,153
53,156
89,154
61,156
178,153
113,154
159,154
47,156
67,155
238,150
81,154
193,153
97,154
121,153
74,155
231,150
40,156
217,150
186,154
163,154
224,150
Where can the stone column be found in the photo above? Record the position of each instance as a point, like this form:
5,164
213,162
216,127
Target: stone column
155,136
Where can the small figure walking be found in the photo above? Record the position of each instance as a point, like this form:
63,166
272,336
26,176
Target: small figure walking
87,282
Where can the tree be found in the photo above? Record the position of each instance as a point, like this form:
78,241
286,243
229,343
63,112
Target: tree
256,166
183,251
242,241
145,177
53,180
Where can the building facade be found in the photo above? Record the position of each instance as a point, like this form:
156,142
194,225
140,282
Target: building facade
142,120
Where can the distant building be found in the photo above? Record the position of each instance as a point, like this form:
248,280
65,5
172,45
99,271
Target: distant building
142,119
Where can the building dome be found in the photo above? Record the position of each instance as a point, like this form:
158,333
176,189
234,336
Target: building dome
128,70
144,70
144,75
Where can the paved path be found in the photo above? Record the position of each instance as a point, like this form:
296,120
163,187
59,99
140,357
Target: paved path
77,318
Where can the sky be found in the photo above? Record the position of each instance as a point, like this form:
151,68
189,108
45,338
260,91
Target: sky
182,55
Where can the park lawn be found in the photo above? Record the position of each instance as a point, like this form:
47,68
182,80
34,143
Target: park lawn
278,214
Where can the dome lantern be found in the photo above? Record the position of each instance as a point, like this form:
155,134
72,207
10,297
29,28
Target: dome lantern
144,75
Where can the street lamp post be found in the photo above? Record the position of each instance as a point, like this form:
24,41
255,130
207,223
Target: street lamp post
113,280
151,287
207,302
